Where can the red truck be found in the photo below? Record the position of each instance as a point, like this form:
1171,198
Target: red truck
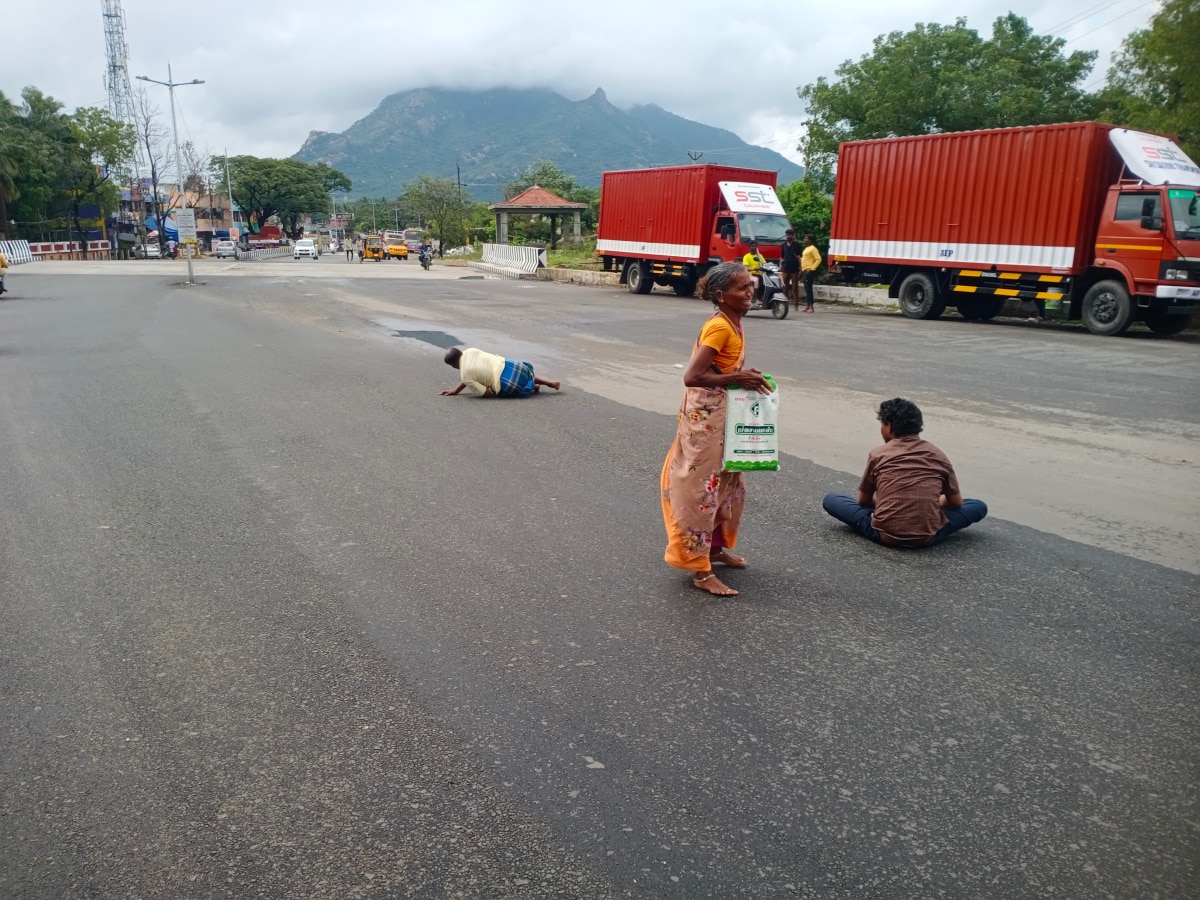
1091,221
668,226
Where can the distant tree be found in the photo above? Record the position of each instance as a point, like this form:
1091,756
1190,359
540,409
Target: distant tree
441,204
1154,83
939,78
545,174
548,175
100,146
157,155
809,209
11,139
37,139
286,189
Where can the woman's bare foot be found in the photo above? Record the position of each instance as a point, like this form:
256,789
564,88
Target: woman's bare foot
709,582
730,560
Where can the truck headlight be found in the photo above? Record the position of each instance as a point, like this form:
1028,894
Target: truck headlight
1176,275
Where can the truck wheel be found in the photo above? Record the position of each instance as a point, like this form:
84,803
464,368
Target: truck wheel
1160,323
919,297
980,309
637,277
1107,309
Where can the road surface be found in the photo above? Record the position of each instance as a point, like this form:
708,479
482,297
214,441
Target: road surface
278,620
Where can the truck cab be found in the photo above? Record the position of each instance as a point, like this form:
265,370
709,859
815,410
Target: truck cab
1148,246
733,232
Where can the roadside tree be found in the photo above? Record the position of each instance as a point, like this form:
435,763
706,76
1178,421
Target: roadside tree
809,209
286,189
157,156
439,202
101,145
1154,83
939,78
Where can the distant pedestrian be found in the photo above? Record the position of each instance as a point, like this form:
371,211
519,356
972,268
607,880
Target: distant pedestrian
3,271
789,265
810,261
349,250
909,494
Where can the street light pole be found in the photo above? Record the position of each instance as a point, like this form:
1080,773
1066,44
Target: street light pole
170,84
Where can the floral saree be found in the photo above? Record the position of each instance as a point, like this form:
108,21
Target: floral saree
701,503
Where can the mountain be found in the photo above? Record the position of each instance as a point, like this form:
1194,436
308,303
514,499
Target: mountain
496,135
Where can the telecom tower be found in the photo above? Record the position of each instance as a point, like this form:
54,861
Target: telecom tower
116,77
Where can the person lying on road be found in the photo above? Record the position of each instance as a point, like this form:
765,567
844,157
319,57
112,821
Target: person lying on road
488,375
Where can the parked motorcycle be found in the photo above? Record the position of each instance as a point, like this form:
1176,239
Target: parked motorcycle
770,294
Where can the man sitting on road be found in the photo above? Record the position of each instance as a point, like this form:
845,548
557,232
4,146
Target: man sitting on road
909,495
488,375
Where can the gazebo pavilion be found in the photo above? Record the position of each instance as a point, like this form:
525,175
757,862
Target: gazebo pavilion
537,201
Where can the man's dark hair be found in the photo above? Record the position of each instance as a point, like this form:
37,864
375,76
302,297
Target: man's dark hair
453,355
902,416
810,238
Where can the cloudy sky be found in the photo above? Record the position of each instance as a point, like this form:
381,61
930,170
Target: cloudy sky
275,72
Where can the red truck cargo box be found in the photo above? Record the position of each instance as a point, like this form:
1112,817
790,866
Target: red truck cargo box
665,213
1019,198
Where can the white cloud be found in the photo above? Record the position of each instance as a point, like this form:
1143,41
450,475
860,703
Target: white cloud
274,73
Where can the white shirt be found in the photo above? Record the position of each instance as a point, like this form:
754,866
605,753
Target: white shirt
480,371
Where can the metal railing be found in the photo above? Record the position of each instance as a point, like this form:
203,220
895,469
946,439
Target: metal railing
264,253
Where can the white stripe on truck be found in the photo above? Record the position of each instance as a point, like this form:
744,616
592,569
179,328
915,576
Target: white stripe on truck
957,255
636,248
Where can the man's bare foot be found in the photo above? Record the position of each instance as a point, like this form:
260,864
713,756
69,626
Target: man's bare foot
712,584
554,384
731,560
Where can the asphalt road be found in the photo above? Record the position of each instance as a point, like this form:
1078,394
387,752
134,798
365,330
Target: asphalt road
277,620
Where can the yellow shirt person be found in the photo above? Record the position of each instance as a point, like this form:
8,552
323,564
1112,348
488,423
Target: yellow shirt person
810,259
754,260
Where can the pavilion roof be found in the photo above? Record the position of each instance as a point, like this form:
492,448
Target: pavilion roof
538,198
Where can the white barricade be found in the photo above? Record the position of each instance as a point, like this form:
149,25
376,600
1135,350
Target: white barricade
511,260
16,252
264,253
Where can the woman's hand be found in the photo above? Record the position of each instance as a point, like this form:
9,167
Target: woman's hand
751,380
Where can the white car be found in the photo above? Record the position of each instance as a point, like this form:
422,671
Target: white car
305,247
226,250
149,251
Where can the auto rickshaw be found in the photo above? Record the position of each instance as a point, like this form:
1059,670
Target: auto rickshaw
372,249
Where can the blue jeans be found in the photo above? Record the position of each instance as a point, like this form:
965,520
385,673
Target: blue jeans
847,509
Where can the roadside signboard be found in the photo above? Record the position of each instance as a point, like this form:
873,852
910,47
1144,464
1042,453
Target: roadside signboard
185,221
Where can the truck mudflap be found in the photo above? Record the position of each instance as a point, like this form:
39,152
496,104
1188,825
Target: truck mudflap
1021,285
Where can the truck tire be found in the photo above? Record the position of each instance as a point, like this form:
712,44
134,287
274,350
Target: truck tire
637,277
980,309
919,298
1161,323
1107,309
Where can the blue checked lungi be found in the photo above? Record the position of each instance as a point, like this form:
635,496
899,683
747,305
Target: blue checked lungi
516,380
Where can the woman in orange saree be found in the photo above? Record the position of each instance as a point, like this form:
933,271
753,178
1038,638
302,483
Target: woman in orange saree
702,504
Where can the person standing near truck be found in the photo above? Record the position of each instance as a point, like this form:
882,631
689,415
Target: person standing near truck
810,261
789,265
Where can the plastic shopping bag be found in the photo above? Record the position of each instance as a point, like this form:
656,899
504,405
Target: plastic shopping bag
751,436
